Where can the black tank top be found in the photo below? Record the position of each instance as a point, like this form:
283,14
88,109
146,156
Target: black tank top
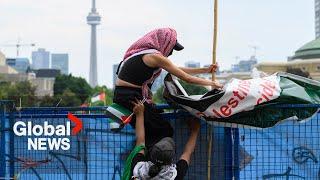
135,71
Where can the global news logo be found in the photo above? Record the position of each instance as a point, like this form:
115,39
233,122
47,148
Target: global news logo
47,136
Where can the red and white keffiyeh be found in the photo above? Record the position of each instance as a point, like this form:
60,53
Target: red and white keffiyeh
159,41
163,40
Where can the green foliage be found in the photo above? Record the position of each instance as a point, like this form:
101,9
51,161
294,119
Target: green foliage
4,89
19,90
48,101
158,96
69,98
76,85
68,91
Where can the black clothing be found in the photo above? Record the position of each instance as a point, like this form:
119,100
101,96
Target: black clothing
135,71
182,165
156,127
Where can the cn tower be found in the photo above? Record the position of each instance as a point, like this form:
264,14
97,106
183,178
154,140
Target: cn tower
93,19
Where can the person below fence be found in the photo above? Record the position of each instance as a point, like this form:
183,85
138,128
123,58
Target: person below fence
156,163
142,63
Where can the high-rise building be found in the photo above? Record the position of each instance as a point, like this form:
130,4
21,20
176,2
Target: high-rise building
114,75
317,18
93,19
192,64
61,62
40,59
19,64
245,65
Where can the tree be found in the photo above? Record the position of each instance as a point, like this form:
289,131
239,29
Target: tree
158,96
299,72
23,91
76,85
48,101
4,89
68,99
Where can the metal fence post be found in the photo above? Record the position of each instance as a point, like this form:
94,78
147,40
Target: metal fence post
2,141
11,140
236,152
228,154
231,153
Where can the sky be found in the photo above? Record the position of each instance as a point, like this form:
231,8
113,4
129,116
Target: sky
277,27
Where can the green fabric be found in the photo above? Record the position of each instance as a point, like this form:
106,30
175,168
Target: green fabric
127,167
294,90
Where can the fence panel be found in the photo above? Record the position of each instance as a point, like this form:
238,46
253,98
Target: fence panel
97,152
288,151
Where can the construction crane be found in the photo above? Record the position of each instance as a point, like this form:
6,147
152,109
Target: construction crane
18,45
255,48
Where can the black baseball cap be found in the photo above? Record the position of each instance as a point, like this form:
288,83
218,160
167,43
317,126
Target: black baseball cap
178,46
163,152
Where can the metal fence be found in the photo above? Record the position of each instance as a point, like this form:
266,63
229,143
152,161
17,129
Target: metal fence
289,150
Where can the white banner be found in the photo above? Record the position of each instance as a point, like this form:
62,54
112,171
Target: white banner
243,95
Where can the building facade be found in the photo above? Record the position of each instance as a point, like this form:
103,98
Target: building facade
21,65
245,65
61,62
44,86
2,59
4,68
192,64
312,66
40,59
114,73
317,18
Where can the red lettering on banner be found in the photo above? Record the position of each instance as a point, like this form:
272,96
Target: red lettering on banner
268,90
259,101
217,113
236,93
225,110
243,89
233,102
239,94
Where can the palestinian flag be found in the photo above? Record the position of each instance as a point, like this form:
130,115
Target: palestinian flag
119,114
249,103
99,97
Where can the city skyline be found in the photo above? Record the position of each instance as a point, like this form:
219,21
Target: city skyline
277,34
60,61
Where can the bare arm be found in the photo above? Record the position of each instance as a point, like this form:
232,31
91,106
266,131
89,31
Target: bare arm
140,131
155,60
191,143
191,71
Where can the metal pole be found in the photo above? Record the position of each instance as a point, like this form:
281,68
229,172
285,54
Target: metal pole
214,60
3,147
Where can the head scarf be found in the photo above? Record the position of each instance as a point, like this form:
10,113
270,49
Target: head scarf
159,41
162,40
